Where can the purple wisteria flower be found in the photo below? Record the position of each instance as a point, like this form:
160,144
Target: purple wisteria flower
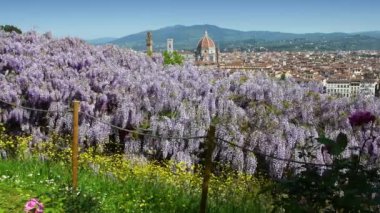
359,118
34,206
130,90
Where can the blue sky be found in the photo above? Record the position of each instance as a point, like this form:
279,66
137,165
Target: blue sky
115,18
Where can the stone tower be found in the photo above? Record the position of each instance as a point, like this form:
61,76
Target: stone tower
149,43
217,56
169,45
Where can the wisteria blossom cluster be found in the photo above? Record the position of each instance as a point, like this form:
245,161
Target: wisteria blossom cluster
136,92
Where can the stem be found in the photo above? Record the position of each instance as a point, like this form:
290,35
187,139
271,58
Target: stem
366,140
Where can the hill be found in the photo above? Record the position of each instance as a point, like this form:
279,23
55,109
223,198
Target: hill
100,40
375,34
187,37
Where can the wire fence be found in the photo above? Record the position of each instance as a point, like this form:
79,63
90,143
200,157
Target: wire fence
271,156
210,142
141,133
34,109
68,110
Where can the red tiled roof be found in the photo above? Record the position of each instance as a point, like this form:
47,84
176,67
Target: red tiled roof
205,42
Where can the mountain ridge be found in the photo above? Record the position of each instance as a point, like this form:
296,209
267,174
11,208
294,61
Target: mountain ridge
103,40
187,37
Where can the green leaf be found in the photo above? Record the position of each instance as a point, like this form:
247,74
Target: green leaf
340,145
325,141
335,147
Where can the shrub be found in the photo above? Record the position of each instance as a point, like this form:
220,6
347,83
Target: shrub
173,58
348,184
10,28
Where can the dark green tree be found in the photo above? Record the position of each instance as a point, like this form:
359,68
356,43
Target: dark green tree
10,28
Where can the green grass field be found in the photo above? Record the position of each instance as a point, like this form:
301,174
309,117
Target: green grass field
138,188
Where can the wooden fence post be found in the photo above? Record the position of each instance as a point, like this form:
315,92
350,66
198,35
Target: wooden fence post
209,149
74,146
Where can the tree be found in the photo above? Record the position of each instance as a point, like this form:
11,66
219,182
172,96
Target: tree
10,28
173,58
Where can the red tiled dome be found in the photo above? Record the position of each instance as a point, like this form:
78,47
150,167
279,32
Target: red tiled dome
205,42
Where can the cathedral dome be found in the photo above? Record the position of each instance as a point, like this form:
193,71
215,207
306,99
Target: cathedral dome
206,42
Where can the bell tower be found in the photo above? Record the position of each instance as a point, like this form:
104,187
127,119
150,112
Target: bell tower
149,43
169,45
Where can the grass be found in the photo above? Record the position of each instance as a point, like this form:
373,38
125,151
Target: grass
115,185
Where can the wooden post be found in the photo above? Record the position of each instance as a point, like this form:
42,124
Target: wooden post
74,147
209,149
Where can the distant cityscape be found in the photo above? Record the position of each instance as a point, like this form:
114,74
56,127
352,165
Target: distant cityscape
342,73
345,64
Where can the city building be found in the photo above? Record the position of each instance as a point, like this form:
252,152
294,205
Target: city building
188,56
206,51
351,88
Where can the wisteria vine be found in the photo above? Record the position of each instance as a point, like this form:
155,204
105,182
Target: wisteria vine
134,91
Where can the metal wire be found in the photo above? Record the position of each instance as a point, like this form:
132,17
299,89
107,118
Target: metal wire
165,138
141,133
271,156
98,120
34,109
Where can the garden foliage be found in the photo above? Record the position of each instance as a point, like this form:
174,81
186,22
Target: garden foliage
344,185
172,58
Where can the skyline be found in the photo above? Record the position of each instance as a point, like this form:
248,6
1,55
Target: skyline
96,19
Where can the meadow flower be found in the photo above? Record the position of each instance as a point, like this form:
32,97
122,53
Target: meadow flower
34,206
